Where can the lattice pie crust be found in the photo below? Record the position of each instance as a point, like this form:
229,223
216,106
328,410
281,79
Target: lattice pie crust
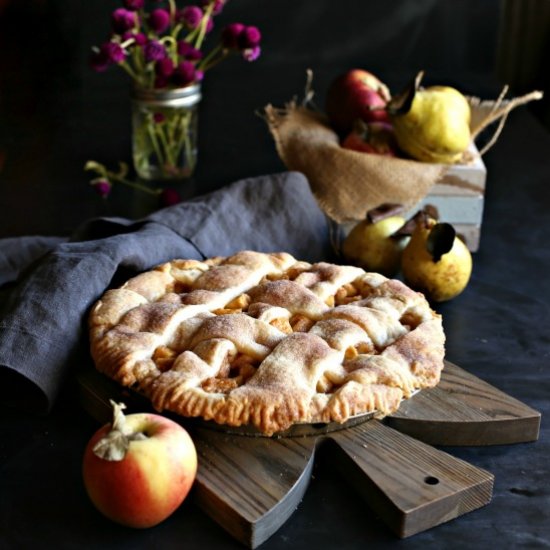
266,340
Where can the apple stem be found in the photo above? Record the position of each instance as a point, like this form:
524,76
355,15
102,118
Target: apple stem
119,420
114,445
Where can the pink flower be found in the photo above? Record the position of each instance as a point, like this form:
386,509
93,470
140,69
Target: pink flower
251,54
139,38
102,187
218,5
159,20
230,35
154,51
134,5
188,51
249,38
164,67
123,20
114,51
108,53
184,74
190,16
99,61
169,197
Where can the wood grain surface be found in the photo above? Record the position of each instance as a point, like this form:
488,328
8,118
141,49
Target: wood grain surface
465,410
251,485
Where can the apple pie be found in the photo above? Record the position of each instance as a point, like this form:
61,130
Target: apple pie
267,341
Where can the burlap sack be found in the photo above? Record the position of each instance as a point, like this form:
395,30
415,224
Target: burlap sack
347,184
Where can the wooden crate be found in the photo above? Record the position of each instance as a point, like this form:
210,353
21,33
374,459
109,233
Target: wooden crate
459,198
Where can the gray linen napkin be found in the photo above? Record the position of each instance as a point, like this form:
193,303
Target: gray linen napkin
43,316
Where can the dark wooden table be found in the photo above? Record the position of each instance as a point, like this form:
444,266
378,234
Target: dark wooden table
56,115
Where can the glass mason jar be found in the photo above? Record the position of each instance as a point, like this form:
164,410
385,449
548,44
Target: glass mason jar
164,132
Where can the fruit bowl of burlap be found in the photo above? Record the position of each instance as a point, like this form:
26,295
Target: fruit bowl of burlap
347,184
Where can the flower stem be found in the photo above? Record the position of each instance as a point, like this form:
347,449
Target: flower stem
202,27
176,30
172,8
156,146
171,44
134,184
168,153
130,71
210,60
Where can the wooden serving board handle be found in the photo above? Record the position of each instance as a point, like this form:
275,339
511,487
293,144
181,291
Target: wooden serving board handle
251,485
464,410
410,485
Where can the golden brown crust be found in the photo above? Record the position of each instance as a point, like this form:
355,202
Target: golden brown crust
266,340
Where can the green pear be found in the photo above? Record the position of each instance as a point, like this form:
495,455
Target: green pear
372,246
432,124
435,261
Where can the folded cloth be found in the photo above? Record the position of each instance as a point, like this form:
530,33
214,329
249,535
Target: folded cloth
18,253
43,317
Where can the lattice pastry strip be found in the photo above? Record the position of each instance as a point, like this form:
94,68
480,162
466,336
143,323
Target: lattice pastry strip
266,340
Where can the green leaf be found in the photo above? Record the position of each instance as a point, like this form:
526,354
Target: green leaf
440,240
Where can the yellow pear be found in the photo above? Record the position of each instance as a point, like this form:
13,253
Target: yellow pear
370,245
432,124
435,261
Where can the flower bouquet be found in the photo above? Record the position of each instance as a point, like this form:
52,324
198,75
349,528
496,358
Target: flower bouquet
161,49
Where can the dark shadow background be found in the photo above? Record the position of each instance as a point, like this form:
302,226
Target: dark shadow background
56,113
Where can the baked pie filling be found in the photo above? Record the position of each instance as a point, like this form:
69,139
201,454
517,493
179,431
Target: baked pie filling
267,340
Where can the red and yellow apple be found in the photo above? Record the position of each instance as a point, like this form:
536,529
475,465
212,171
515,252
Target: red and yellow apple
138,470
356,94
376,138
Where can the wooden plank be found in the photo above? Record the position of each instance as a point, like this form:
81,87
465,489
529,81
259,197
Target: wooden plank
464,410
409,484
251,485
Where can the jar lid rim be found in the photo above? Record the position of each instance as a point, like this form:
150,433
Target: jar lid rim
139,92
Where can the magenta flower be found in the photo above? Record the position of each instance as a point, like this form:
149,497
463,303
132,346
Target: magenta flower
102,187
249,38
164,67
139,44
159,20
158,118
108,53
169,197
218,5
190,16
251,54
123,20
230,35
134,5
154,51
99,60
184,74
139,38
114,52
188,51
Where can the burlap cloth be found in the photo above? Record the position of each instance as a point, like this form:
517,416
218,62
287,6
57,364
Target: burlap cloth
347,184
